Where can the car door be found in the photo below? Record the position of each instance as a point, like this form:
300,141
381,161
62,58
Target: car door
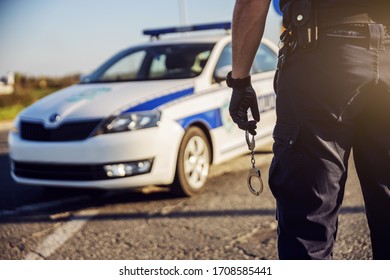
229,139
263,72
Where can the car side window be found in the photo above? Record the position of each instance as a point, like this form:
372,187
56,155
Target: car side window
265,60
226,57
224,64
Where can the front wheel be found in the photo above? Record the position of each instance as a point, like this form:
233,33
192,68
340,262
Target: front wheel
193,163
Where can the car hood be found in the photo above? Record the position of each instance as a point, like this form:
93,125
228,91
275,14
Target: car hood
94,101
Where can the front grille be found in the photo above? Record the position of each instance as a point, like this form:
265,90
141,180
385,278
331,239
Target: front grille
71,131
68,172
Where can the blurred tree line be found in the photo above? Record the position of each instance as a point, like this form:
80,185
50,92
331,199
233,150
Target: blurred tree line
28,89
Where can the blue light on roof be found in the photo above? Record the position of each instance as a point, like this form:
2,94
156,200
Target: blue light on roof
188,28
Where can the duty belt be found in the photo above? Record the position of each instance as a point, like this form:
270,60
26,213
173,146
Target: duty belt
331,20
307,23
327,18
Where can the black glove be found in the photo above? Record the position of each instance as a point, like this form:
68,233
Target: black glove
243,99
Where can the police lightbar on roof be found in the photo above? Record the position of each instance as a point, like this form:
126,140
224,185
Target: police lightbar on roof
179,29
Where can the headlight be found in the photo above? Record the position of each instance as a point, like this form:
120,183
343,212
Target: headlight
131,121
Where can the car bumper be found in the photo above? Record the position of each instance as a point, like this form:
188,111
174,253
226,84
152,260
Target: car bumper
94,162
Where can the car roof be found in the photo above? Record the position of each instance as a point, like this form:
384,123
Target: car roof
188,38
186,34
197,38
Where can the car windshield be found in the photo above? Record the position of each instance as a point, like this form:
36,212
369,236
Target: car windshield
153,63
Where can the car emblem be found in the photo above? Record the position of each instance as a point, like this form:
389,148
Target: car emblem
54,118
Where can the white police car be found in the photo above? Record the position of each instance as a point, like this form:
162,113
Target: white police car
154,114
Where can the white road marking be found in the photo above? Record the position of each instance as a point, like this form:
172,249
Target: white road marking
55,240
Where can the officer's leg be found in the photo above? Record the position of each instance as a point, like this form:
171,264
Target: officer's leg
307,178
308,173
372,159
317,103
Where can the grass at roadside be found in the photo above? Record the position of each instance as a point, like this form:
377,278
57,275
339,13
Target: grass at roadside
18,102
29,89
9,113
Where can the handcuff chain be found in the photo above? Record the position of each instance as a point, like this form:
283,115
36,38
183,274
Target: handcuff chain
254,172
253,161
251,146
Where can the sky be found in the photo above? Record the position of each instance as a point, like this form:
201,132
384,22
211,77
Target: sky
63,37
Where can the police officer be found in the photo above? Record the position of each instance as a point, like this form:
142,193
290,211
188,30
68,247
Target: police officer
333,96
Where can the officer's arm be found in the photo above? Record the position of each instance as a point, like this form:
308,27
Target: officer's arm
247,30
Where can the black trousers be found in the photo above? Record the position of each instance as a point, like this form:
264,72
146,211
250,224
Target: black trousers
330,100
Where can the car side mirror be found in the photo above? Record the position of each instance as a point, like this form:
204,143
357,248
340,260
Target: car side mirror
221,73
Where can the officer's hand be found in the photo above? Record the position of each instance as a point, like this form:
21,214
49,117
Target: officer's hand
243,99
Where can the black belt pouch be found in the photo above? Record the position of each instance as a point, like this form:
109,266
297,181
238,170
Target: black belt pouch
304,24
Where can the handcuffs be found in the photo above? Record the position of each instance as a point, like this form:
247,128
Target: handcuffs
254,173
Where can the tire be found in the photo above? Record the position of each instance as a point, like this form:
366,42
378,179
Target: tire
193,163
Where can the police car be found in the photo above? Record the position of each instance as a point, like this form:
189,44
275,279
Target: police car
154,114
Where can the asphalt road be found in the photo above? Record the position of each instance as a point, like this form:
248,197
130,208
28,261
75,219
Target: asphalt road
224,222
